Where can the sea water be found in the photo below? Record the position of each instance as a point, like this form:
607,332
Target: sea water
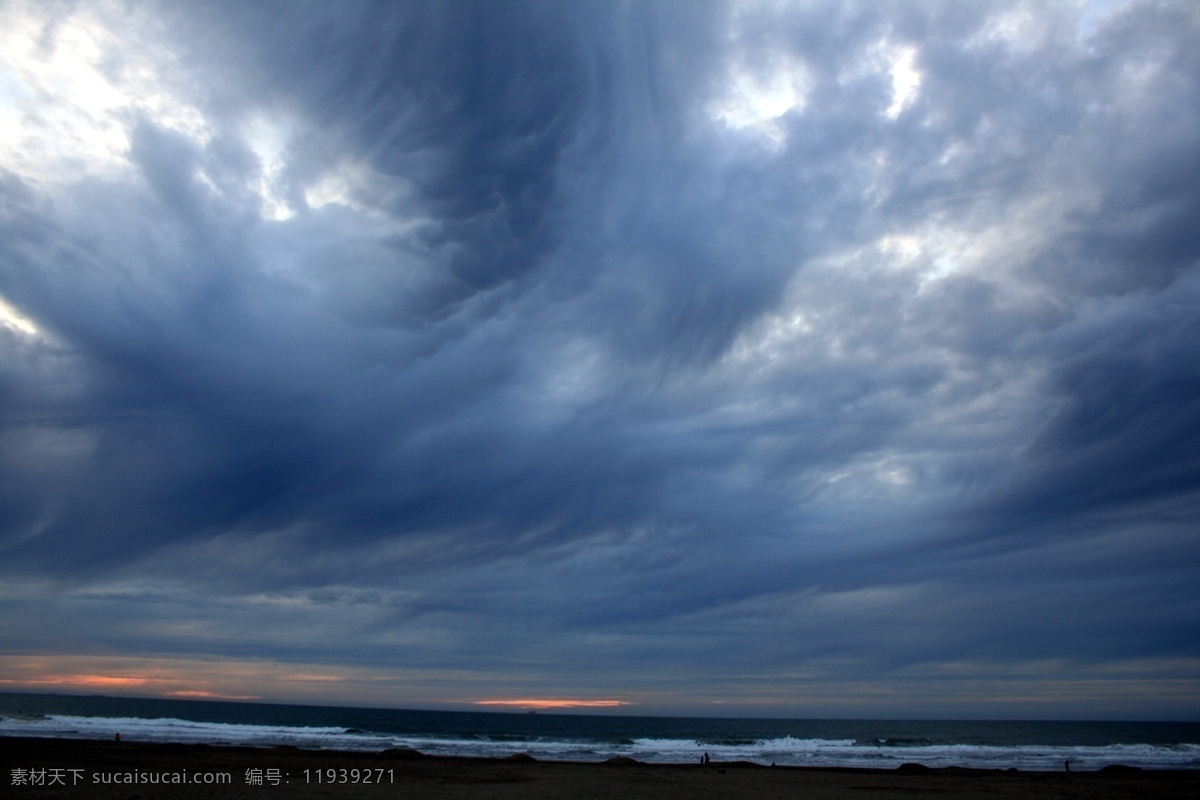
882,744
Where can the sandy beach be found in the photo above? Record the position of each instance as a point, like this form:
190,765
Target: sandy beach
107,770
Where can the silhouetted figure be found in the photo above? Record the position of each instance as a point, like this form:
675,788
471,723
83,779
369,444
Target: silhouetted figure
706,759
1067,764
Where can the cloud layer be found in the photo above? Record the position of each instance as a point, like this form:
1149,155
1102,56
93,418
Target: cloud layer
835,358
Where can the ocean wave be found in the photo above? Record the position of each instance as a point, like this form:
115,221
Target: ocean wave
167,729
784,751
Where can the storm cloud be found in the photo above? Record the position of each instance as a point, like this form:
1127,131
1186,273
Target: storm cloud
836,359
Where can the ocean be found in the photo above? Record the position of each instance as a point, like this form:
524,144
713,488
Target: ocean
881,744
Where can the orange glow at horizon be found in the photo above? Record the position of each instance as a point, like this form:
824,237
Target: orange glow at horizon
197,694
540,703
87,681
182,678
95,682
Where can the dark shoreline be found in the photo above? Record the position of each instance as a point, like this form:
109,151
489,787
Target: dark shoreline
107,770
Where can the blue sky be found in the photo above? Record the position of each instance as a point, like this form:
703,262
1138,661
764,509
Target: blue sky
789,359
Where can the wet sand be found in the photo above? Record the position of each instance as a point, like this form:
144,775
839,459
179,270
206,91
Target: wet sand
107,770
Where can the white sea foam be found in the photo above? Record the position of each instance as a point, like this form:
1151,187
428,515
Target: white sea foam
782,751
188,731
830,753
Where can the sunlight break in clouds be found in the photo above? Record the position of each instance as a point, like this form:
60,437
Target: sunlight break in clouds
92,682
15,321
72,89
269,138
756,100
73,86
544,703
906,80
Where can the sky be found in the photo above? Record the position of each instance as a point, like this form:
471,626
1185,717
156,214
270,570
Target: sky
813,359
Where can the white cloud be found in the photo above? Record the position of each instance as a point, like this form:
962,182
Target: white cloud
71,87
906,80
14,320
755,99
269,138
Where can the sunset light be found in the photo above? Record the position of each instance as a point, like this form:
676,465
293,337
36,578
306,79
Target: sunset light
555,703
84,681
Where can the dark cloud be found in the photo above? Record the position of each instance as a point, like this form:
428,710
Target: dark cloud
564,344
